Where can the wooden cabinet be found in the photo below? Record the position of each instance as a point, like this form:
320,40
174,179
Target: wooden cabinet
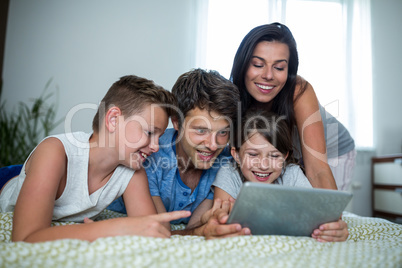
386,176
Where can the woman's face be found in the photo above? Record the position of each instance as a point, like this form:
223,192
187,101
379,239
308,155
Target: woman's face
259,160
267,71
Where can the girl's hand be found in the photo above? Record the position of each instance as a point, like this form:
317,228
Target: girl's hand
331,232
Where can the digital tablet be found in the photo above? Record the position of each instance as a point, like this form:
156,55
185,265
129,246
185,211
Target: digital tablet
270,209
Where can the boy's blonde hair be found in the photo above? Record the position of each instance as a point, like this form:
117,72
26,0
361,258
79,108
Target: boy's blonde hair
131,94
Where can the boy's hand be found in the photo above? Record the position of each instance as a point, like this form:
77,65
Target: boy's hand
151,225
154,225
331,232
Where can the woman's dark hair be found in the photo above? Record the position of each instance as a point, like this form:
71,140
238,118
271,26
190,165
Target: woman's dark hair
282,104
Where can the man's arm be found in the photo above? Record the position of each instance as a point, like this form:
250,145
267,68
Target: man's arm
195,219
216,226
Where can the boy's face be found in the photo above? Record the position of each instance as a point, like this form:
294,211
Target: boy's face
259,160
202,138
139,135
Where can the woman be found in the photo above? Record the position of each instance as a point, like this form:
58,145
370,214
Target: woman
265,70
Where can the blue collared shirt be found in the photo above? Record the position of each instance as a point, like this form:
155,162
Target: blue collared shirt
164,179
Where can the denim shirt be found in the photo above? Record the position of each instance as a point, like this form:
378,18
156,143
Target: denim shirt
164,179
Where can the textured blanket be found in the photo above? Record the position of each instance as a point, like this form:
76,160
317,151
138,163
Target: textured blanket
373,242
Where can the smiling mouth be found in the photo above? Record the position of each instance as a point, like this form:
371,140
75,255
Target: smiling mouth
264,87
144,155
205,156
262,175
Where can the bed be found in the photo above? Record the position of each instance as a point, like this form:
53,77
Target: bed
373,242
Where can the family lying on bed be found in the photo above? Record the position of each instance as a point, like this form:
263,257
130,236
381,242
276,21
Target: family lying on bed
172,176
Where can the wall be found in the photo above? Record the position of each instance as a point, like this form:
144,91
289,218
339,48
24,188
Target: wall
387,97
85,46
387,70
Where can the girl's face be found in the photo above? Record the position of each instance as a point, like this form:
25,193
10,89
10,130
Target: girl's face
267,71
259,160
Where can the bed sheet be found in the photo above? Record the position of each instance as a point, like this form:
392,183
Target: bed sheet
373,242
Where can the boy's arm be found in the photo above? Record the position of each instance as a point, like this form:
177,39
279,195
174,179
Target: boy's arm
44,170
151,225
160,207
137,198
33,212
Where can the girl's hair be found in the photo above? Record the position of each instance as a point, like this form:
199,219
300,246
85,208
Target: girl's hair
271,126
282,104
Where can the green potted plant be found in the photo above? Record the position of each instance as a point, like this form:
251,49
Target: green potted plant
24,127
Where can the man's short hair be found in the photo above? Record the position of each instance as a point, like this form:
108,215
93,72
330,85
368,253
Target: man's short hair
208,90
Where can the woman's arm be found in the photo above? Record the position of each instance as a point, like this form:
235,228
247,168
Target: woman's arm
312,138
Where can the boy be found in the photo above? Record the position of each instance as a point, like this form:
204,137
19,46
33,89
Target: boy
181,173
75,176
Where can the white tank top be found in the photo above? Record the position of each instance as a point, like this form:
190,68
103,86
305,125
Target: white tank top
75,203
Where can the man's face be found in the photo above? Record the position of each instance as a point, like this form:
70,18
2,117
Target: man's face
201,138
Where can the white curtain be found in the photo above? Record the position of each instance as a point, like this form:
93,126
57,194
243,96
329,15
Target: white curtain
334,44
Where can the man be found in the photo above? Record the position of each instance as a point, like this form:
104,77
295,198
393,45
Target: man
181,173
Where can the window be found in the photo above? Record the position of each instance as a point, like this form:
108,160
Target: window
334,45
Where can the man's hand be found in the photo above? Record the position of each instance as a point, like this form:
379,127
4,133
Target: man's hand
214,222
216,205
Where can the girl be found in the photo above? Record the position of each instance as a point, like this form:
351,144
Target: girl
265,71
263,152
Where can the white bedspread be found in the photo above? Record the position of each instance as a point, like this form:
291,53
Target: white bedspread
373,242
